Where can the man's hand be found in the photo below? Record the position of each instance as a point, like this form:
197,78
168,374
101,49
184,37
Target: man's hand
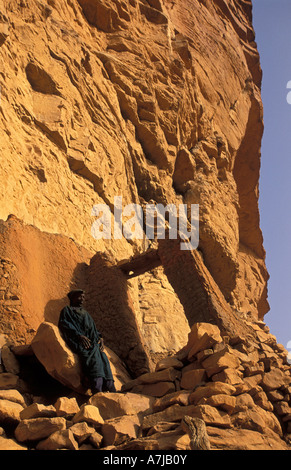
85,342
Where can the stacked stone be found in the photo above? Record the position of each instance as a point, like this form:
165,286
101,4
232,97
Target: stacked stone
76,423
106,420
240,387
235,383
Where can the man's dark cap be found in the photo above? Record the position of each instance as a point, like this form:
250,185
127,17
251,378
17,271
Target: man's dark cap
75,292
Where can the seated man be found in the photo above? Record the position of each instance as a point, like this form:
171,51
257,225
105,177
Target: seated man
80,333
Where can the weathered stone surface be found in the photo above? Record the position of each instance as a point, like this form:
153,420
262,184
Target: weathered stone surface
10,444
256,419
63,439
12,395
117,404
274,379
184,168
261,399
202,336
249,384
8,381
87,447
21,350
243,402
254,369
139,444
66,406
158,389
175,413
216,362
164,375
172,413
4,32
211,416
191,378
9,360
180,397
224,402
169,362
211,388
96,439
130,385
244,439
38,428
90,414
132,421
82,431
283,409
117,430
51,254
229,375
119,371
204,354
275,395
10,412
172,440
37,410
192,366
53,353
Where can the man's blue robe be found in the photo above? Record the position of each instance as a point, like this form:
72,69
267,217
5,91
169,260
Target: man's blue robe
75,321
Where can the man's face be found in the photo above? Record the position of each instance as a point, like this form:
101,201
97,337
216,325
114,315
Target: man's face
78,299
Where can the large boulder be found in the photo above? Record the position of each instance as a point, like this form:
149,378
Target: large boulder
38,428
62,364
114,405
10,444
58,360
202,336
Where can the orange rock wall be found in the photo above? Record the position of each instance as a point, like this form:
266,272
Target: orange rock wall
152,100
38,270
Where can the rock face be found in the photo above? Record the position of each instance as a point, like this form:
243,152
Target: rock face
151,101
140,102
37,271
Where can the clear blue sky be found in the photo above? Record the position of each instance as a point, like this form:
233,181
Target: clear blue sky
272,24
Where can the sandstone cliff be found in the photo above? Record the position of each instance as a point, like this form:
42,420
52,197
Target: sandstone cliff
154,101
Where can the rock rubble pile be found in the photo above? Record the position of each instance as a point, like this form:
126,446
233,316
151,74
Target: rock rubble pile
239,387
